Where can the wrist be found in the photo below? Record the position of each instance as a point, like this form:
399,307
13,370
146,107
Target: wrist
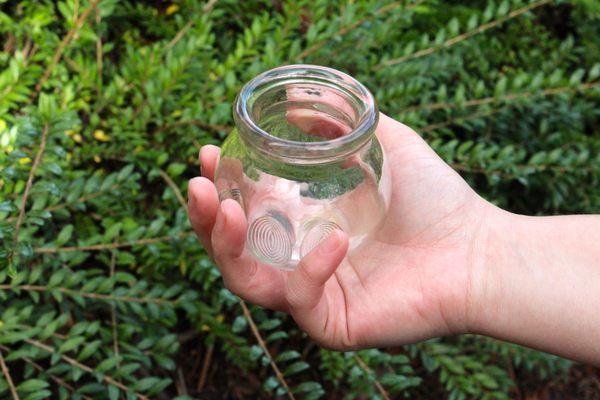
495,248
536,283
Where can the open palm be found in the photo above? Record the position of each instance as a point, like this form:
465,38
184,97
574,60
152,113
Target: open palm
409,282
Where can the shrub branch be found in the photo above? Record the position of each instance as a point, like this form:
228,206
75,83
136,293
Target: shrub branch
194,122
90,295
9,381
370,372
63,44
174,188
262,344
345,29
508,97
460,38
84,367
82,199
55,378
110,246
206,9
36,163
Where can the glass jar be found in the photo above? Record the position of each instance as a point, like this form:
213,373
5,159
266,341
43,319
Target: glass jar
303,161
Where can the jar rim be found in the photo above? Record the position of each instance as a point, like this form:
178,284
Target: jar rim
306,152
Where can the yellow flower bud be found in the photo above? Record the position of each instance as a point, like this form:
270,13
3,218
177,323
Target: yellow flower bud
100,136
172,9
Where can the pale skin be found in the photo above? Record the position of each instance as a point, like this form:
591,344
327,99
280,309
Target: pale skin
445,262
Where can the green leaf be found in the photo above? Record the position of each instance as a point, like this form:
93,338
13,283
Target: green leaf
296,367
486,380
125,172
239,324
38,395
107,364
113,392
271,383
64,235
32,385
71,344
145,384
269,324
255,352
307,387
175,169
287,355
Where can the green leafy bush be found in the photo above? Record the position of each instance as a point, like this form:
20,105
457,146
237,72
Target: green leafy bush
105,292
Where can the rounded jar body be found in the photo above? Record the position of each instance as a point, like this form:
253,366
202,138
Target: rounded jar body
304,161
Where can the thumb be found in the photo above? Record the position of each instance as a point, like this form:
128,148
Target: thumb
304,286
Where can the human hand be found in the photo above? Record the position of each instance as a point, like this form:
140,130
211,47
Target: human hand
409,283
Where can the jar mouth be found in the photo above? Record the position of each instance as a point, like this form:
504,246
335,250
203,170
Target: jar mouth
305,114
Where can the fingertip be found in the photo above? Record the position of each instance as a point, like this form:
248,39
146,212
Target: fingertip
336,242
229,236
203,203
320,263
201,190
209,158
324,259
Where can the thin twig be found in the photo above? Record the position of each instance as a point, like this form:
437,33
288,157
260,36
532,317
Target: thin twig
113,311
9,44
532,168
180,34
109,246
82,199
173,187
36,163
205,367
42,369
348,28
262,344
90,295
512,96
460,38
63,44
180,383
75,9
210,4
451,121
194,122
99,54
84,367
28,52
369,371
9,381
207,8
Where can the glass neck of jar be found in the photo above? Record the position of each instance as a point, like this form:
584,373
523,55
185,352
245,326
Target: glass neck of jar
305,115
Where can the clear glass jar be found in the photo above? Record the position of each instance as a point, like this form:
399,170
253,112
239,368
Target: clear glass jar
303,161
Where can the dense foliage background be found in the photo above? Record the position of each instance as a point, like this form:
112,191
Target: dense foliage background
105,293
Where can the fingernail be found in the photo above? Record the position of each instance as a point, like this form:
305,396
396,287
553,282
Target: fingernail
191,195
200,160
331,243
223,213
